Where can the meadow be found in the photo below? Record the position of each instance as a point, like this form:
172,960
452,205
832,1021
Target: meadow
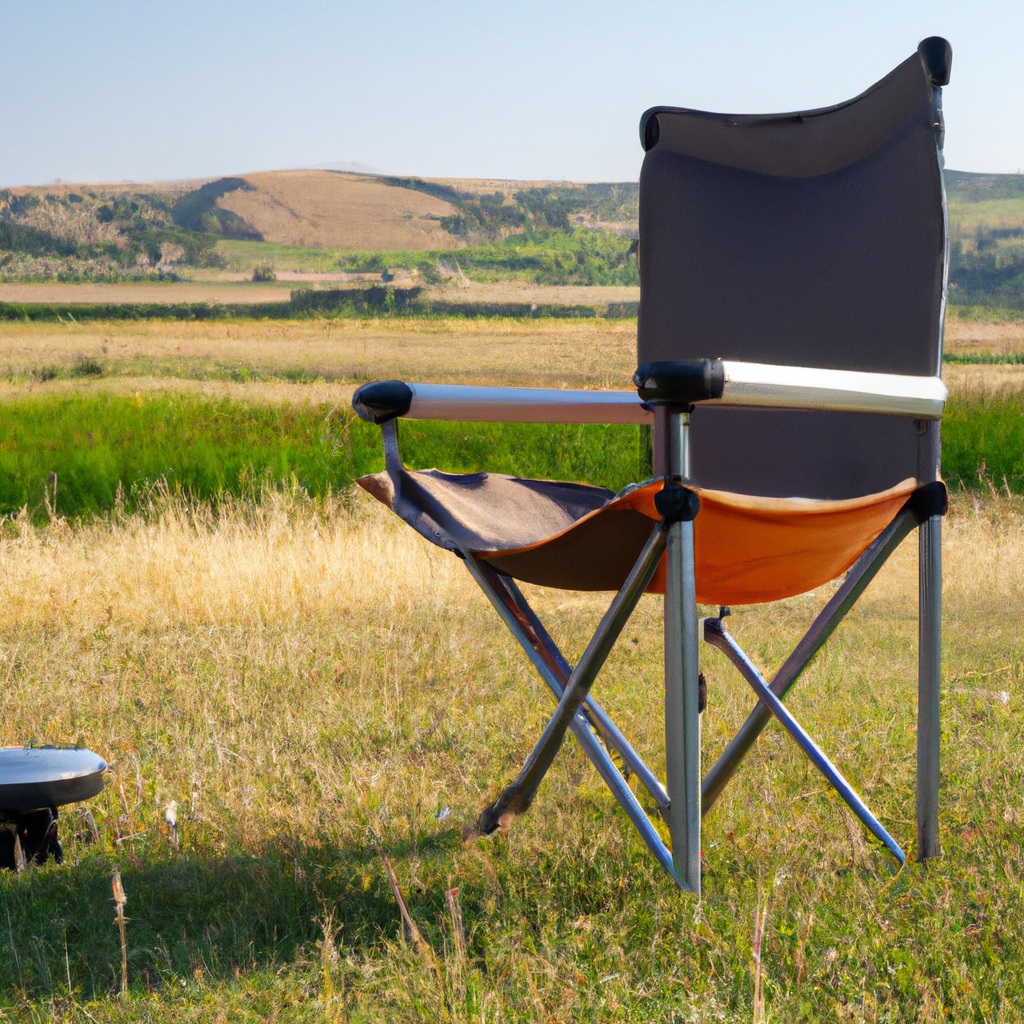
328,700
107,411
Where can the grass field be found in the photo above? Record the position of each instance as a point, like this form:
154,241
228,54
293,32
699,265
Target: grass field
317,689
78,455
306,680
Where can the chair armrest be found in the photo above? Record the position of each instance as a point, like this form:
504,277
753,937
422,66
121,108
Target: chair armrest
385,400
705,381
761,385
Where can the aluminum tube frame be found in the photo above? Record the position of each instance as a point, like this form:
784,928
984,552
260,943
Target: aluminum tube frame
682,685
581,726
553,668
857,579
799,387
929,679
595,714
718,636
516,798
524,405
756,385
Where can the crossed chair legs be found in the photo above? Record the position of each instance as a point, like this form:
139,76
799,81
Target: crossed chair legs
579,713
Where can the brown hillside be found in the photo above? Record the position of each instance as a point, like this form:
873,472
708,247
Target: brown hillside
325,209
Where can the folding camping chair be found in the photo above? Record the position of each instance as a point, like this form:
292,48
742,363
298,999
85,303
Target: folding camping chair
792,274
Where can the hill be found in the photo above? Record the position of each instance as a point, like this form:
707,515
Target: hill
332,210
986,220
324,221
319,220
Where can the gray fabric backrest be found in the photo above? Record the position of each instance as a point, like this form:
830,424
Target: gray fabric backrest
808,239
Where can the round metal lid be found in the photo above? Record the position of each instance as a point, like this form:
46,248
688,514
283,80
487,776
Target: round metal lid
34,777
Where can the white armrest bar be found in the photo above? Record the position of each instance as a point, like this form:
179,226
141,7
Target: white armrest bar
750,385
524,405
798,387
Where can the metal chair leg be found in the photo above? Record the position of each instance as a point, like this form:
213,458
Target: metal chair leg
682,684
857,580
928,686
517,797
718,636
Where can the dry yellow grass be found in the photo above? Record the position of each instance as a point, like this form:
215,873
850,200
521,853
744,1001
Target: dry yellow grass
967,336
313,393
252,642
992,379
322,209
548,353
302,678
177,574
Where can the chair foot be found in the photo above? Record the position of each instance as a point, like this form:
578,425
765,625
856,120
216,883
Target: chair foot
499,814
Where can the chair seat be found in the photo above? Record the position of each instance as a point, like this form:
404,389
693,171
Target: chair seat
579,537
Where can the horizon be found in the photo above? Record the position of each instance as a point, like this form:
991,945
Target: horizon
162,92
387,174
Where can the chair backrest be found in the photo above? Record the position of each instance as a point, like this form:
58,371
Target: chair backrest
806,239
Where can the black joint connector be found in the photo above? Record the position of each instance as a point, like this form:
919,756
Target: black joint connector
382,400
677,504
929,500
937,59
712,628
680,383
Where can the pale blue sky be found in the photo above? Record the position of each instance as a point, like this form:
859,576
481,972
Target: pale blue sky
152,90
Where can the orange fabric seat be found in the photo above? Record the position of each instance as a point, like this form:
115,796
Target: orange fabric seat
748,550
579,537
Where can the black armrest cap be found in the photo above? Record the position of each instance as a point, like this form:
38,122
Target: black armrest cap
382,400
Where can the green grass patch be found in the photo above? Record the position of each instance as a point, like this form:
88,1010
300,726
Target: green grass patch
552,257
377,301
983,440
984,314
109,448
102,450
985,358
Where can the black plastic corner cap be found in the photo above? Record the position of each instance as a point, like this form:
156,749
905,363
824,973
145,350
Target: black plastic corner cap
680,382
382,400
929,500
937,59
650,130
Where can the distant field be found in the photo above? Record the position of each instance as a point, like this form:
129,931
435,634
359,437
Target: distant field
524,291
144,291
195,402
550,353
230,287
977,337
